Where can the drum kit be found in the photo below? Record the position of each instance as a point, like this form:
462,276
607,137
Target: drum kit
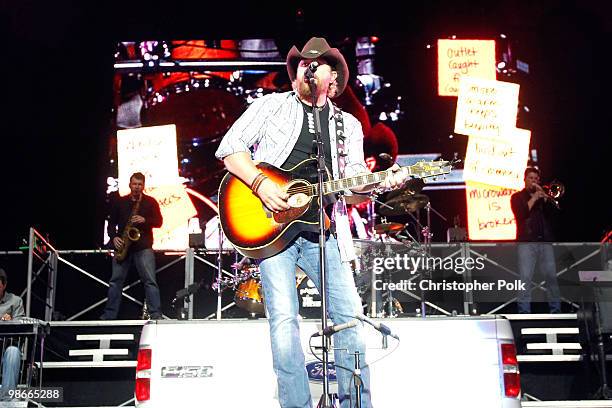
248,295
385,240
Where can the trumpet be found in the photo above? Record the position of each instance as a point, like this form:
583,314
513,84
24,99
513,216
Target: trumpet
554,190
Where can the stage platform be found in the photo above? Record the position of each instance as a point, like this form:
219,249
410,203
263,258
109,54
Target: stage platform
95,361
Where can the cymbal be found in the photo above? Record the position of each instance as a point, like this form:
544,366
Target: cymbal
404,204
356,198
411,187
388,227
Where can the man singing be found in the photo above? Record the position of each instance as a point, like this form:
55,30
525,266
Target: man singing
279,128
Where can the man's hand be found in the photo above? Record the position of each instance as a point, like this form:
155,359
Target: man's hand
272,196
7,317
539,193
137,219
118,243
397,176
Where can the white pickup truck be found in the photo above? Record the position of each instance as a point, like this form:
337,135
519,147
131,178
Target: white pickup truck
440,362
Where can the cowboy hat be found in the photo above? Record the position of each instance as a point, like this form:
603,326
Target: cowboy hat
315,48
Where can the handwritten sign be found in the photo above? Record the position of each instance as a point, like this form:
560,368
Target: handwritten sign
458,58
490,216
175,205
149,150
498,162
153,152
171,239
486,108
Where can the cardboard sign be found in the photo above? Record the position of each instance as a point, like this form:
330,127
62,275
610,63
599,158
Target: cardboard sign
500,162
490,216
153,152
486,108
149,150
458,58
175,205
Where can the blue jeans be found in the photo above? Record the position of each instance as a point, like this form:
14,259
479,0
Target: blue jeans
11,361
144,260
542,254
278,281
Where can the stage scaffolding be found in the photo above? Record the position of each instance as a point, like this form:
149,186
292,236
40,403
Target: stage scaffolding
54,274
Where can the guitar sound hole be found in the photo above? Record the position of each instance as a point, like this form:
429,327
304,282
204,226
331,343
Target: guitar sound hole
299,188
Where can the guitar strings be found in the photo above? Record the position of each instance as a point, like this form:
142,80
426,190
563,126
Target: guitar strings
310,190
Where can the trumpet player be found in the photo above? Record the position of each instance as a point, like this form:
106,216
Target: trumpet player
534,211
131,223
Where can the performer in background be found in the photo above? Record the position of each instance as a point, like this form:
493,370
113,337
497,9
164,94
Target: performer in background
11,307
281,126
144,217
534,212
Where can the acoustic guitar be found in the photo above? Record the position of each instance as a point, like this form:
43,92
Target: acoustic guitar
257,232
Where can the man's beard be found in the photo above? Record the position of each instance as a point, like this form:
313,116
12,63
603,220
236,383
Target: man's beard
303,90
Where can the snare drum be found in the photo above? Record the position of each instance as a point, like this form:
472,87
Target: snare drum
249,296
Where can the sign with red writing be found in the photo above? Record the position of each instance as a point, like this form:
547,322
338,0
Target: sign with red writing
490,216
486,108
175,205
498,162
153,152
148,150
459,58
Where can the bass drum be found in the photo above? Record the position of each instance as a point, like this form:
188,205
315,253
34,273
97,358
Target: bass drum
249,297
202,106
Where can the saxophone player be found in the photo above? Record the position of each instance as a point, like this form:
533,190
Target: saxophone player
133,212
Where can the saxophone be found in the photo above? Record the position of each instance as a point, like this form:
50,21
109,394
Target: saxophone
130,234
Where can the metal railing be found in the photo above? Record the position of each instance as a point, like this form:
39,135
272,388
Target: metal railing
46,263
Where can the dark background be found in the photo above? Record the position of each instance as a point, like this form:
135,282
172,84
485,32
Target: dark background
57,70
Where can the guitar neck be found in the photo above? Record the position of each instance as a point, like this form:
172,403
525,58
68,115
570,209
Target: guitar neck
335,186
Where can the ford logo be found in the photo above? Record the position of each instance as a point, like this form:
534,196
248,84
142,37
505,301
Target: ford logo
315,371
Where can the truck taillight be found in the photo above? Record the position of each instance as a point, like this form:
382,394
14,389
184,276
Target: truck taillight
143,375
144,359
512,377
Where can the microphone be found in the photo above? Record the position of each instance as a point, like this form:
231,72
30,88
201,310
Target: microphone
386,331
386,157
335,328
189,290
310,70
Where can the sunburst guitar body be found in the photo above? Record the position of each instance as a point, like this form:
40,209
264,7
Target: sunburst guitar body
257,232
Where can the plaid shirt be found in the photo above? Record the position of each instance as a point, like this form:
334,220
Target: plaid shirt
270,128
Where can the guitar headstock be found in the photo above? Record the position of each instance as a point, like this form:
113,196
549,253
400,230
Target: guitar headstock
431,168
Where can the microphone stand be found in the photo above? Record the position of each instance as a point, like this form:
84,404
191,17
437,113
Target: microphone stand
358,382
427,236
325,400
185,294
604,391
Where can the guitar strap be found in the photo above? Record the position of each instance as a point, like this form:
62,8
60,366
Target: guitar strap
340,139
342,229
